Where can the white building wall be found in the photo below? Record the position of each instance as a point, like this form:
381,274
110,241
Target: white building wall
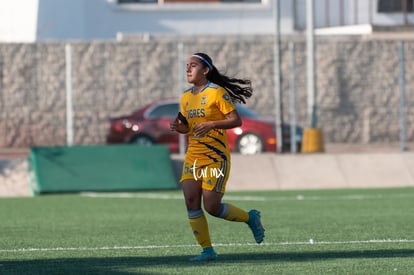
353,12
18,24
104,19
43,20
61,19
109,18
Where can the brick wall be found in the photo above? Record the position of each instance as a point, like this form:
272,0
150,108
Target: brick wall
357,84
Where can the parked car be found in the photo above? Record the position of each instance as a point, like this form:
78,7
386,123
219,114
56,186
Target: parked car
151,125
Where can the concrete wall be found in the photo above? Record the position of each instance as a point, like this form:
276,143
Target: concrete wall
321,171
358,93
275,172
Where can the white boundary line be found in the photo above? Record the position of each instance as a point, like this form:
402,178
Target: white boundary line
161,196
147,247
299,197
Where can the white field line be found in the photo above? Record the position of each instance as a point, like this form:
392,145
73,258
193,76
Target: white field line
147,247
161,196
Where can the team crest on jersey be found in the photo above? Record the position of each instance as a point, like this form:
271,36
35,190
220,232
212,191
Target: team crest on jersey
226,97
203,100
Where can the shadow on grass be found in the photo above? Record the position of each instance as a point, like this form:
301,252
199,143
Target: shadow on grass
140,265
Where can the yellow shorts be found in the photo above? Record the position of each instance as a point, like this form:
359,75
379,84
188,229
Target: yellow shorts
214,176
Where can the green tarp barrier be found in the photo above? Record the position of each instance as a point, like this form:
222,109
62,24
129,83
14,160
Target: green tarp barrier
100,168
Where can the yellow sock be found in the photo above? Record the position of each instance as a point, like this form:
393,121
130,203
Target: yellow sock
232,213
199,225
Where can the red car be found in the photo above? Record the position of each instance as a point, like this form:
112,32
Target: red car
151,125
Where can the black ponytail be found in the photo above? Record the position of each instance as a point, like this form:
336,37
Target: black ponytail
238,89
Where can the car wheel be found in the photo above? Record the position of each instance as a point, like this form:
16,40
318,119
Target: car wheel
249,144
142,140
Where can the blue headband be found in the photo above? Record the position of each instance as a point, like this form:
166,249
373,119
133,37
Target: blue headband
204,60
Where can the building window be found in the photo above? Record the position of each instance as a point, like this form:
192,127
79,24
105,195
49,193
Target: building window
185,1
387,6
136,1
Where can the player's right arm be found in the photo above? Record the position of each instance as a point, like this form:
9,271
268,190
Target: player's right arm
179,124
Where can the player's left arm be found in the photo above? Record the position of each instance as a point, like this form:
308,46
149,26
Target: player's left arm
226,106
231,120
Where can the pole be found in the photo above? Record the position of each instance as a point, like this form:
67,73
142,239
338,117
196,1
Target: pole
310,45
276,76
403,144
370,11
327,13
404,5
181,138
293,147
69,106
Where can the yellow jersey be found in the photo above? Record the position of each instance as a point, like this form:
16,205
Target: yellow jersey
210,104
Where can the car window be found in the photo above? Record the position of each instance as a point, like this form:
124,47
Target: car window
246,112
164,110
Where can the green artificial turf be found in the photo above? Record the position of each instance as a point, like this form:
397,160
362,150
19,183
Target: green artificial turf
307,232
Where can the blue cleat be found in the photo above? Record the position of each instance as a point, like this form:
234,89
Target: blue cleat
207,255
256,225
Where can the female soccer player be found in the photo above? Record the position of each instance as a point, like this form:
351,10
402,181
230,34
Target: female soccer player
208,110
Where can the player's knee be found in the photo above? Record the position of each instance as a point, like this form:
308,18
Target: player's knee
192,203
213,209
